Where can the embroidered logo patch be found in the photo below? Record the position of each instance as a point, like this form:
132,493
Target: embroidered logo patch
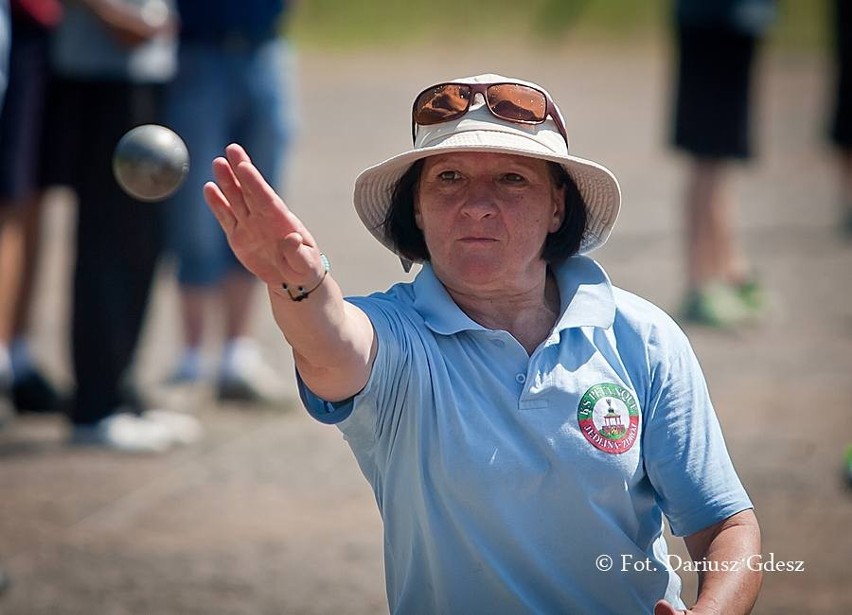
609,417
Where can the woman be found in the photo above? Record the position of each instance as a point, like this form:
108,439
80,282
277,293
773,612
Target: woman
524,424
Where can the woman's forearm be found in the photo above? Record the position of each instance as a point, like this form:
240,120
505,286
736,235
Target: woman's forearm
332,340
732,588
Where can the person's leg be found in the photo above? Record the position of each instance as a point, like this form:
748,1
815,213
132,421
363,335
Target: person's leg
265,128
841,115
238,290
118,243
845,172
11,265
32,391
197,109
713,251
702,192
21,123
711,124
10,258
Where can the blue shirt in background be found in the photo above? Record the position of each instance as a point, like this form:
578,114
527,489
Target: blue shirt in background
212,20
503,478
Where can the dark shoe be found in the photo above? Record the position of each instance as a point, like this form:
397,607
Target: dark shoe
846,221
241,389
33,393
847,462
7,410
238,389
5,581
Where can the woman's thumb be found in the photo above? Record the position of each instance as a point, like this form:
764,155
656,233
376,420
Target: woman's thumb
295,253
664,607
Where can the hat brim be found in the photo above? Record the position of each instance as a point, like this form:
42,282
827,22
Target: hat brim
597,185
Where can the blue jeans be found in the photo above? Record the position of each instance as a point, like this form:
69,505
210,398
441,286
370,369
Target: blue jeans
224,95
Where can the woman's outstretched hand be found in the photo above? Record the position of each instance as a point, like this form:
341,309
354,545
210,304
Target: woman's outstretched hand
267,238
333,341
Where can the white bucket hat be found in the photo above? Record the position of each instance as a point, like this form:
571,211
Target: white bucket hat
480,131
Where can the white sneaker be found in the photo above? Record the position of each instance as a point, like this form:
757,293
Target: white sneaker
245,376
126,433
185,429
190,369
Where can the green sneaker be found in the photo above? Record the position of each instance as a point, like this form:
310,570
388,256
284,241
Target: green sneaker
848,461
715,305
846,221
753,298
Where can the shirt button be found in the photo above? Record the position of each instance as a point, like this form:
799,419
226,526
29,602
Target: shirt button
499,343
520,378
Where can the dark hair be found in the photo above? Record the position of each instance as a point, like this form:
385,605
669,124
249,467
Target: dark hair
408,239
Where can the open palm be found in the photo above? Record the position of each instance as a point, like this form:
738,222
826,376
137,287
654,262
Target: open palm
267,238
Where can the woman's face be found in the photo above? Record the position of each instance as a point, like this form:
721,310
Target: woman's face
485,217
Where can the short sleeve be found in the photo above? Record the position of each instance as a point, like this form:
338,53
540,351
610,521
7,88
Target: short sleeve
685,454
362,416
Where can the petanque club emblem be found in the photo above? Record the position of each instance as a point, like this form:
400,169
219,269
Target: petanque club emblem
608,415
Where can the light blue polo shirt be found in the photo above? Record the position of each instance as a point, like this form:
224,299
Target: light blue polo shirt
504,479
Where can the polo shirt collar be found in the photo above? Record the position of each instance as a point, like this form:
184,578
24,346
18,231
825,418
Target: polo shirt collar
586,294
439,311
584,289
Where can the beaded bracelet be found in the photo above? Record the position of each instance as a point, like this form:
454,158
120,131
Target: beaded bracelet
303,294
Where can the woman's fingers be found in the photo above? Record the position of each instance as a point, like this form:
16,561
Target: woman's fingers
269,240
260,196
219,206
228,183
236,154
263,199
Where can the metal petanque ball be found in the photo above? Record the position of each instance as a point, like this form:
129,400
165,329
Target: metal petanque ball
150,162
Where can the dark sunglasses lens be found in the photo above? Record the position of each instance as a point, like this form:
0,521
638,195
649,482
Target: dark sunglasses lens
441,103
517,103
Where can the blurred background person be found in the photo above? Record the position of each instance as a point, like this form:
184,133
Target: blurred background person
233,84
716,45
840,130
5,370
4,46
21,136
112,59
841,122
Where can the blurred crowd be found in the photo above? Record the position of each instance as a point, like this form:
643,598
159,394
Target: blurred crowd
80,75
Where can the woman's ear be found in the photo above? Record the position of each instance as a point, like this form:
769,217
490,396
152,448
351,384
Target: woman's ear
418,220
558,197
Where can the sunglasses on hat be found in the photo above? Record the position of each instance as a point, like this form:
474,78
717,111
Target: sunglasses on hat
513,102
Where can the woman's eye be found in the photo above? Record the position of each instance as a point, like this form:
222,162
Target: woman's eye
448,175
513,178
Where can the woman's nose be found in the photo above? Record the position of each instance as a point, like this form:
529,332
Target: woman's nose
480,200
